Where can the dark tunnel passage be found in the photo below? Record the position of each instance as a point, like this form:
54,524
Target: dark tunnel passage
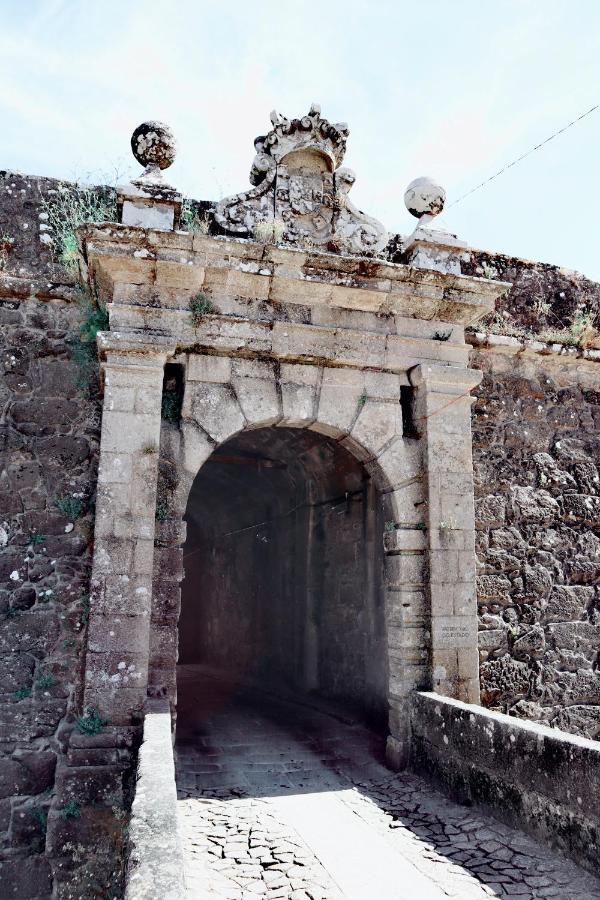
283,572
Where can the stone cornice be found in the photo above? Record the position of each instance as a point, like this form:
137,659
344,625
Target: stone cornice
118,254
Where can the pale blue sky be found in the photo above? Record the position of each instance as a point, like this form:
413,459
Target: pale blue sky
453,89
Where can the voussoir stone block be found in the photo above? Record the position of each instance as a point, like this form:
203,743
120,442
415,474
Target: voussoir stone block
377,424
256,390
341,391
298,385
216,409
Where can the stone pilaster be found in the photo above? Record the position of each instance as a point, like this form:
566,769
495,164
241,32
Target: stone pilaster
443,407
120,602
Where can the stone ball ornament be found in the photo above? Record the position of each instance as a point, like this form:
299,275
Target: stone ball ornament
154,146
424,197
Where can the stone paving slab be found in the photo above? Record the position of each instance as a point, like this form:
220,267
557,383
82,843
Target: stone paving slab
281,801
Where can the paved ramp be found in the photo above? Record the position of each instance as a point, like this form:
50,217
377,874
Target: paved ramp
280,802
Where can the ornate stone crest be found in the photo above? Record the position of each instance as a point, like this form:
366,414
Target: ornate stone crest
300,193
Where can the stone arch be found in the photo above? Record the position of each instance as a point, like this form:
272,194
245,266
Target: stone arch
360,410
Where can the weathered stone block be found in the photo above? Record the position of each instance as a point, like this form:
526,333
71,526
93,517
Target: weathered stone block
216,410
216,369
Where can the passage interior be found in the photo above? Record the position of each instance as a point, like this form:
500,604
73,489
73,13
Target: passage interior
283,571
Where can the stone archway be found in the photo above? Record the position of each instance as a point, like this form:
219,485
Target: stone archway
340,352
424,477
361,411
283,565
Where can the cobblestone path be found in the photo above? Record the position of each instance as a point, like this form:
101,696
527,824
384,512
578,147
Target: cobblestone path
281,801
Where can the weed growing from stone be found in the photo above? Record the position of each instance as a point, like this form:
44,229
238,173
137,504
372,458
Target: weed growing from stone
580,333
70,507
150,450
40,814
35,538
70,207
162,511
45,681
68,644
22,693
200,306
390,526
269,232
70,810
83,344
192,220
90,723
170,405
362,399
84,615
12,613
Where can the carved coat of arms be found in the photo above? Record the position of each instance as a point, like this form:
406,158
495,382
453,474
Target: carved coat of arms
300,192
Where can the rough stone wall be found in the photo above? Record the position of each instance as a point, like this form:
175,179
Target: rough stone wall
49,432
542,296
536,438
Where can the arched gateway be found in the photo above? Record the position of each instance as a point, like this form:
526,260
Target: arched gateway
295,357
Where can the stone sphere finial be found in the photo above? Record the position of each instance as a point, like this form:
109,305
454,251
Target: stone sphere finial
154,146
424,197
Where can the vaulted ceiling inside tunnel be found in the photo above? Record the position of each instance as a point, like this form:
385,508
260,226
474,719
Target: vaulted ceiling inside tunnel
264,469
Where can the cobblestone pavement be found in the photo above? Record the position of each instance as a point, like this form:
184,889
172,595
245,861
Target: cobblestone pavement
281,801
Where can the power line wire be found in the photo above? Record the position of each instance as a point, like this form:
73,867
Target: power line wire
529,152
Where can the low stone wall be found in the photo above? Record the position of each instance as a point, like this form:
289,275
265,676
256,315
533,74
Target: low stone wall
155,855
538,779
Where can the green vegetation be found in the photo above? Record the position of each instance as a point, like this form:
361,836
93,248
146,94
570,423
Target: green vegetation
84,615
6,242
45,681
35,538
193,220
70,507
83,344
70,207
90,723
22,693
170,405
40,814
269,232
581,332
200,306
162,511
70,810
